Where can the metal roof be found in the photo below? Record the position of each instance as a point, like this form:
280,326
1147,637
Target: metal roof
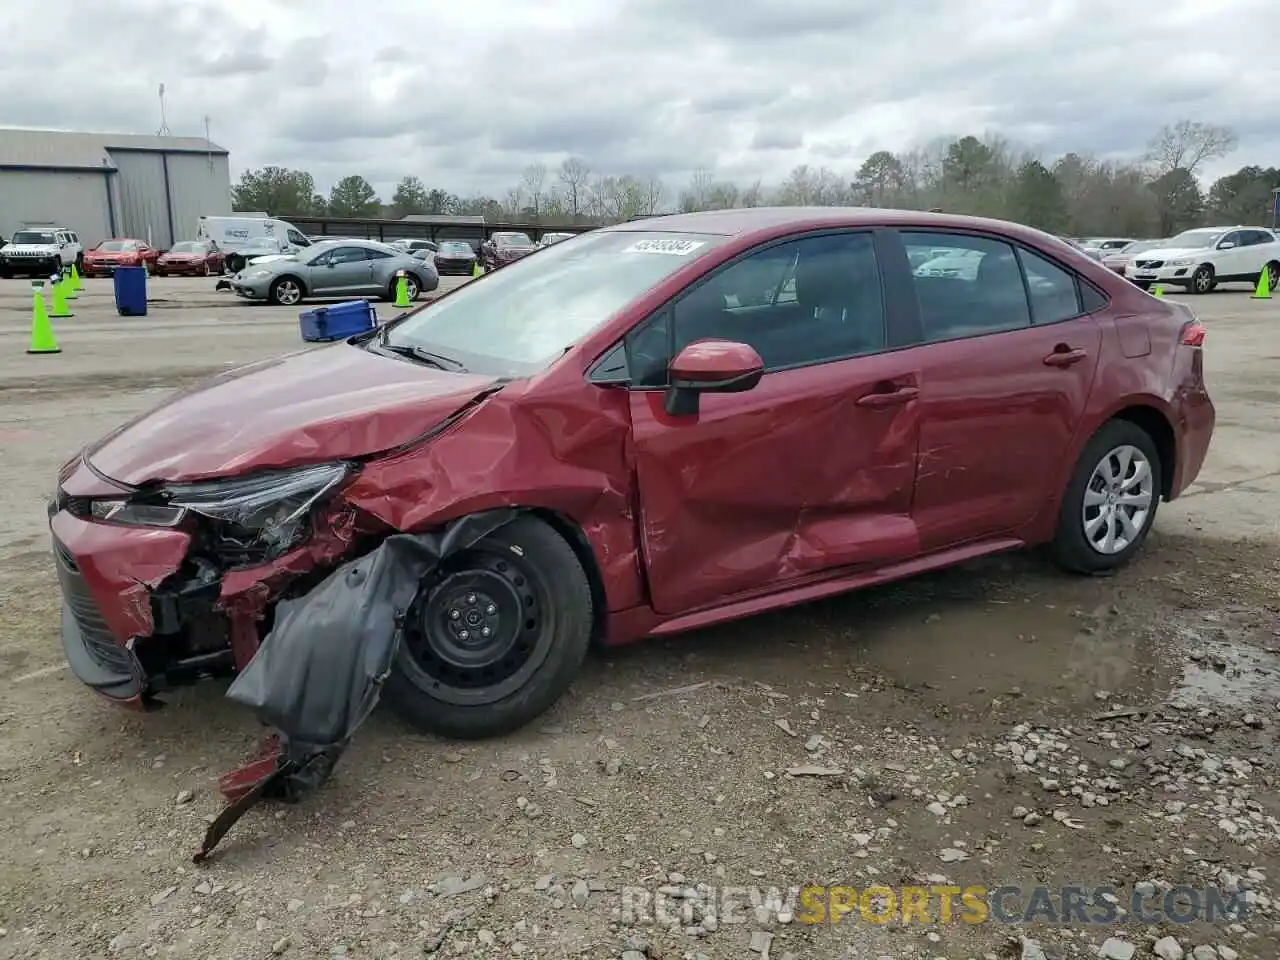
57,148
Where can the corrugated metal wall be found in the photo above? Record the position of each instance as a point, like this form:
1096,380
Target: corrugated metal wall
198,184
75,200
140,209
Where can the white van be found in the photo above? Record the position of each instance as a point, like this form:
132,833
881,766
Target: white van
233,233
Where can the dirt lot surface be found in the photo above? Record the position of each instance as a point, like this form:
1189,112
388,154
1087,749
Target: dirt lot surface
996,725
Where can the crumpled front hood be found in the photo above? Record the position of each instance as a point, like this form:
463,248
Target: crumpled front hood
309,407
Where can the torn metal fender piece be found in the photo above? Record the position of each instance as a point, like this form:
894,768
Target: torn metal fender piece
319,672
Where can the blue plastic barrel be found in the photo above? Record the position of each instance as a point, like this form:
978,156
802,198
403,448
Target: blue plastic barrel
131,291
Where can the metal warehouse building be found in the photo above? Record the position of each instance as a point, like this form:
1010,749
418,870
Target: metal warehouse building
112,185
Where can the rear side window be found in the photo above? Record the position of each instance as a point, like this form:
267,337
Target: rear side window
965,286
1054,293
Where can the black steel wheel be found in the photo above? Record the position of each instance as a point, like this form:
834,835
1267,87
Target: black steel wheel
495,636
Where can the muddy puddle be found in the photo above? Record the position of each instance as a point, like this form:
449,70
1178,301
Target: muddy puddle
1224,670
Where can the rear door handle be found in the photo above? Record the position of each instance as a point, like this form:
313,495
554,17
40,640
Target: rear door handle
889,398
1065,356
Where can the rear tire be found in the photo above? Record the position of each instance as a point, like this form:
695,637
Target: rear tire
234,264
1273,276
1092,506
525,583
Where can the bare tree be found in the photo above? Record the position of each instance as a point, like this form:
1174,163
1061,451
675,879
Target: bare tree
535,177
574,174
654,194
1187,145
697,195
513,207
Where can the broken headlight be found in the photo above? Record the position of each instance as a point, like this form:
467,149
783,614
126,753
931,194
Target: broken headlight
249,519
257,518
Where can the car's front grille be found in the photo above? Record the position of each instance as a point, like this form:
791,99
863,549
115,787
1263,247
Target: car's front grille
97,636
1149,264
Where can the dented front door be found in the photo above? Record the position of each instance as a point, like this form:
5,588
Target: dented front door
801,475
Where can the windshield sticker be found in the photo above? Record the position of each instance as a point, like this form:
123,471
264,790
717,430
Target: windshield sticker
675,248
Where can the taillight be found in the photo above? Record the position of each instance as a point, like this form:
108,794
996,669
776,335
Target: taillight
1193,334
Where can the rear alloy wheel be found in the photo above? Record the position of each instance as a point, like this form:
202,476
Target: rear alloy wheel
411,285
286,292
207,270
495,636
1273,276
1111,501
1202,281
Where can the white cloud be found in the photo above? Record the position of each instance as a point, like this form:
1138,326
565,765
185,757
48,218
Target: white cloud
466,94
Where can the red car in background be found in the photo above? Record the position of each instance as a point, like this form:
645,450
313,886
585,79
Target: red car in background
190,258
686,419
504,248
102,260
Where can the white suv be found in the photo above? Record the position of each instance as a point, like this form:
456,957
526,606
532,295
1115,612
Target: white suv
40,252
1201,259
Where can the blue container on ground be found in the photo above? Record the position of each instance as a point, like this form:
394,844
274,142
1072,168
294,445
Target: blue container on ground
337,321
130,285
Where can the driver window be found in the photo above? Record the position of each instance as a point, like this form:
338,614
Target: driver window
348,255
1233,238
801,302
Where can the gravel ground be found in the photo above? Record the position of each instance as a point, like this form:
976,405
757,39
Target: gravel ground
994,725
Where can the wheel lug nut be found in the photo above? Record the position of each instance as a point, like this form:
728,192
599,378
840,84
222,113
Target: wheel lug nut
491,609
455,614
485,631
464,635
471,598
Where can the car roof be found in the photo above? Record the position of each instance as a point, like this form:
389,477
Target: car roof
744,220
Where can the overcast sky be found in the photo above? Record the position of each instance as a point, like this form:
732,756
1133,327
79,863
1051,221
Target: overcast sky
466,93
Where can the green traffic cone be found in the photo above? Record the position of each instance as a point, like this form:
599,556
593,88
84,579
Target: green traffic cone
76,283
1263,291
402,292
68,287
42,338
1158,291
60,309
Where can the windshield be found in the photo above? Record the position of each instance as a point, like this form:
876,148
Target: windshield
512,240
187,246
116,246
1196,239
456,247
32,236
522,317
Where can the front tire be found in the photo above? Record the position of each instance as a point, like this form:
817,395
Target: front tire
1110,502
496,635
1203,281
285,292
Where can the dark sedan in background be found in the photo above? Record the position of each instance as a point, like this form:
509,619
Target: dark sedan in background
455,258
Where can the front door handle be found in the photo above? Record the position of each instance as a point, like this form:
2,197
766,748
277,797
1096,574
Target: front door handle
888,398
1064,356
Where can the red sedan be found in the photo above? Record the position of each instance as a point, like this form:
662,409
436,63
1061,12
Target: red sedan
102,260
646,429
190,258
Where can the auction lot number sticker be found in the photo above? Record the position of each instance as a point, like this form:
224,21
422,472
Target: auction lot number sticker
671,247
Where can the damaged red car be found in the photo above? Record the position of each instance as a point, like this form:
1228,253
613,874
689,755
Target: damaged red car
685,420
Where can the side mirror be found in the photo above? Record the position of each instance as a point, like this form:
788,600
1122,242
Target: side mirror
710,366
1226,245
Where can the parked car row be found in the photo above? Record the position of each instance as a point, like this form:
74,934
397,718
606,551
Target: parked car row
1197,260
